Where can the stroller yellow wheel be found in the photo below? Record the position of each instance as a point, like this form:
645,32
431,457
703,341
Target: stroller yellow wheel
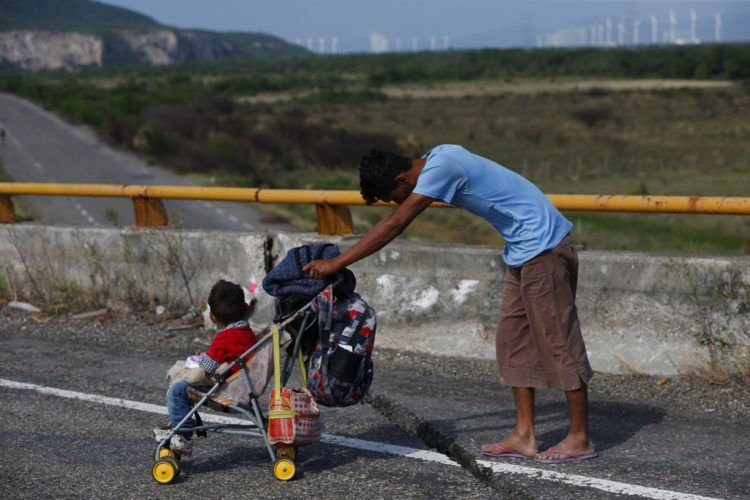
166,452
287,452
284,469
165,470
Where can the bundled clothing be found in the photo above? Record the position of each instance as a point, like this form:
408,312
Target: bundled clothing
287,278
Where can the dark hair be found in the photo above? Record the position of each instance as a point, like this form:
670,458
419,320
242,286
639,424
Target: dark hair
227,302
377,173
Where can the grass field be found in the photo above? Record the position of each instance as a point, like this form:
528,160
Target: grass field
667,142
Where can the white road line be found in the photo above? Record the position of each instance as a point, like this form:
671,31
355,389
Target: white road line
85,214
591,482
247,226
38,166
426,455
234,219
219,211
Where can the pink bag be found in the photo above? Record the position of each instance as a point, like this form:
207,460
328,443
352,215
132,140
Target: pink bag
293,416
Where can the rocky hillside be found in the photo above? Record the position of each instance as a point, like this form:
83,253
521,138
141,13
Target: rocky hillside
64,34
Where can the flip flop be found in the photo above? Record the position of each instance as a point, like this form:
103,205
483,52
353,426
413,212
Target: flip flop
502,452
568,456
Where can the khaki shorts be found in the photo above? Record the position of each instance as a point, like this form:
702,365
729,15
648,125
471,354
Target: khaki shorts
538,341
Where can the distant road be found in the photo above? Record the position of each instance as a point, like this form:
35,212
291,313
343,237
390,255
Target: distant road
40,147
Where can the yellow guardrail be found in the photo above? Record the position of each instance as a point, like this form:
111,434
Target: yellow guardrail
332,209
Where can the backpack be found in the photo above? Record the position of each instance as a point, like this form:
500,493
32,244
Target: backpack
340,368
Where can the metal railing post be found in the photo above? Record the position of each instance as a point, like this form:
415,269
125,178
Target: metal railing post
149,212
334,219
7,212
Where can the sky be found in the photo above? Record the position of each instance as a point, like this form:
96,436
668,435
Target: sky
363,26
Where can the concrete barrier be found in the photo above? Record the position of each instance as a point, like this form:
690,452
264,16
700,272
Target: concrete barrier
127,267
645,313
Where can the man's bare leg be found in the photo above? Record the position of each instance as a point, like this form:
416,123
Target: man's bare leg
523,439
578,441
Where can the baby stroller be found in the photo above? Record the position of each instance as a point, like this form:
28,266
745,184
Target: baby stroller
333,342
239,392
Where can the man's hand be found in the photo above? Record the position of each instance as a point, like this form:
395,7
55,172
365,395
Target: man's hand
319,269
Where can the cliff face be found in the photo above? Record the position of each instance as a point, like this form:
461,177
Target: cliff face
152,47
37,50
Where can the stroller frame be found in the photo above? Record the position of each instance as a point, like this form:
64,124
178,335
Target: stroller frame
166,466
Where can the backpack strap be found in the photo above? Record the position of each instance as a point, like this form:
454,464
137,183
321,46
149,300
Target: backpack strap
298,261
308,251
325,341
309,254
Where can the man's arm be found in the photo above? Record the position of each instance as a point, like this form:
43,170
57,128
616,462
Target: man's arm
376,238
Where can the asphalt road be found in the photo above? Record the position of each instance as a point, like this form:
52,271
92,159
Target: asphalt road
59,447
40,147
75,443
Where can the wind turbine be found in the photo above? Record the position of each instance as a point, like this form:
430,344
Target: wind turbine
672,26
621,32
636,31
334,45
693,25
654,29
446,41
608,23
378,43
717,27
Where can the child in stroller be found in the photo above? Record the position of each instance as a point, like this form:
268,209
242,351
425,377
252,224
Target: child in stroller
228,311
232,386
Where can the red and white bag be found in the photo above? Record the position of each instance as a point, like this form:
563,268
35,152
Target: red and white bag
293,415
293,418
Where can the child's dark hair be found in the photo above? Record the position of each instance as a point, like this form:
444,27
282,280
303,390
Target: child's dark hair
227,302
377,173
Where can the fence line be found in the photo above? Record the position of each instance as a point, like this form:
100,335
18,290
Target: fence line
332,206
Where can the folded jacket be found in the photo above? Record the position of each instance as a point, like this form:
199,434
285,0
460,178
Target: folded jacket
287,277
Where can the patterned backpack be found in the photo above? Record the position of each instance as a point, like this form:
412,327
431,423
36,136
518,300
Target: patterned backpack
340,370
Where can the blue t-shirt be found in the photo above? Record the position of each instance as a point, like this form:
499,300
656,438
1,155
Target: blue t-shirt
526,219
